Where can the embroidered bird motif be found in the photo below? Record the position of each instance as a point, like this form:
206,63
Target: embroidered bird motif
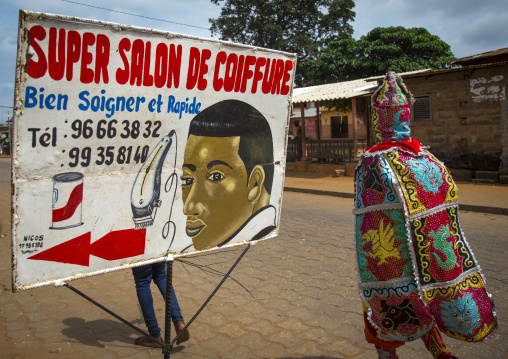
382,243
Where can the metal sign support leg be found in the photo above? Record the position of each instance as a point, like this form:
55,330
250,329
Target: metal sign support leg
166,349
168,345
209,298
106,310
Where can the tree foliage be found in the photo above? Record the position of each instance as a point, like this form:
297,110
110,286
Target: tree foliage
381,50
304,27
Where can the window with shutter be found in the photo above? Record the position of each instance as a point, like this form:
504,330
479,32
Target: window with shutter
421,108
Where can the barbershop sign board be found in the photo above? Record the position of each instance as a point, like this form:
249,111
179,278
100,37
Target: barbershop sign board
132,145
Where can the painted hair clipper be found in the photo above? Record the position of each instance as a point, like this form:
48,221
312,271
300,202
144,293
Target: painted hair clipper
146,190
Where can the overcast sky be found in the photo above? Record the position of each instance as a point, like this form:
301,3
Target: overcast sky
468,26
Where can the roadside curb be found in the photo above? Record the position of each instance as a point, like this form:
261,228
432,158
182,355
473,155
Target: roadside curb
320,192
484,209
462,207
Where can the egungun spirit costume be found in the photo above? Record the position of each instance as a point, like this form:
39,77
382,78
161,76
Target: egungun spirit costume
416,270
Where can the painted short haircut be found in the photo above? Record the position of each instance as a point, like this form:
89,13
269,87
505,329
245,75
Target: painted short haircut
231,118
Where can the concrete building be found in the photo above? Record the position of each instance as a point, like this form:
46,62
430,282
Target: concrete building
460,112
333,124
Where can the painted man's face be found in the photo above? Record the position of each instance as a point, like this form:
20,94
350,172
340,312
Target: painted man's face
214,190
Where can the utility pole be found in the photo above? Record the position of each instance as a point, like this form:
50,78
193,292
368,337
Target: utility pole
302,123
9,138
1,137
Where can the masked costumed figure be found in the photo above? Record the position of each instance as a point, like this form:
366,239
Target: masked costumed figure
417,273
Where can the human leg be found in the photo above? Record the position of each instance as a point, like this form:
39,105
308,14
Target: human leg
143,278
177,318
159,278
435,345
383,353
385,349
176,315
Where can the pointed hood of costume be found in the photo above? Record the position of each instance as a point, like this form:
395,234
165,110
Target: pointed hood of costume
391,105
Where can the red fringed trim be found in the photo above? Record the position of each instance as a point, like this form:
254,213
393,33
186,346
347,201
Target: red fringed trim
412,145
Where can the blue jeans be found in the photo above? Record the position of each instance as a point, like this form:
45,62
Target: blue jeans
143,276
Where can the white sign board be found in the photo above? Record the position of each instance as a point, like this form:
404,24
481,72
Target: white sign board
132,144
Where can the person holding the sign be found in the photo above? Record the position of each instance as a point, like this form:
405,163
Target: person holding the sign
143,276
227,176
417,274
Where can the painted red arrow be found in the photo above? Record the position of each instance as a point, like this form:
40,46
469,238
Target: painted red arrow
120,244
74,251
114,245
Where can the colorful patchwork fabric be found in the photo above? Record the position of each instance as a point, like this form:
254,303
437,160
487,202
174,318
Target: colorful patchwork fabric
415,266
424,181
463,310
375,184
382,246
442,254
396,311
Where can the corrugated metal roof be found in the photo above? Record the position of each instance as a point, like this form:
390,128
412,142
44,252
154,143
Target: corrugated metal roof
341,90
456,69
362,87
484,55
334,91
308,112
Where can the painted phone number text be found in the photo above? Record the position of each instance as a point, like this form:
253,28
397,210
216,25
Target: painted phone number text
103,129
107,155
110,129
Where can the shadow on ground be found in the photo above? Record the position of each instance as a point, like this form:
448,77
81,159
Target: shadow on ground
96,332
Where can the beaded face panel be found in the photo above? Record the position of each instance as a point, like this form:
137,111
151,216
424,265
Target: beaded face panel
391,104
391,123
